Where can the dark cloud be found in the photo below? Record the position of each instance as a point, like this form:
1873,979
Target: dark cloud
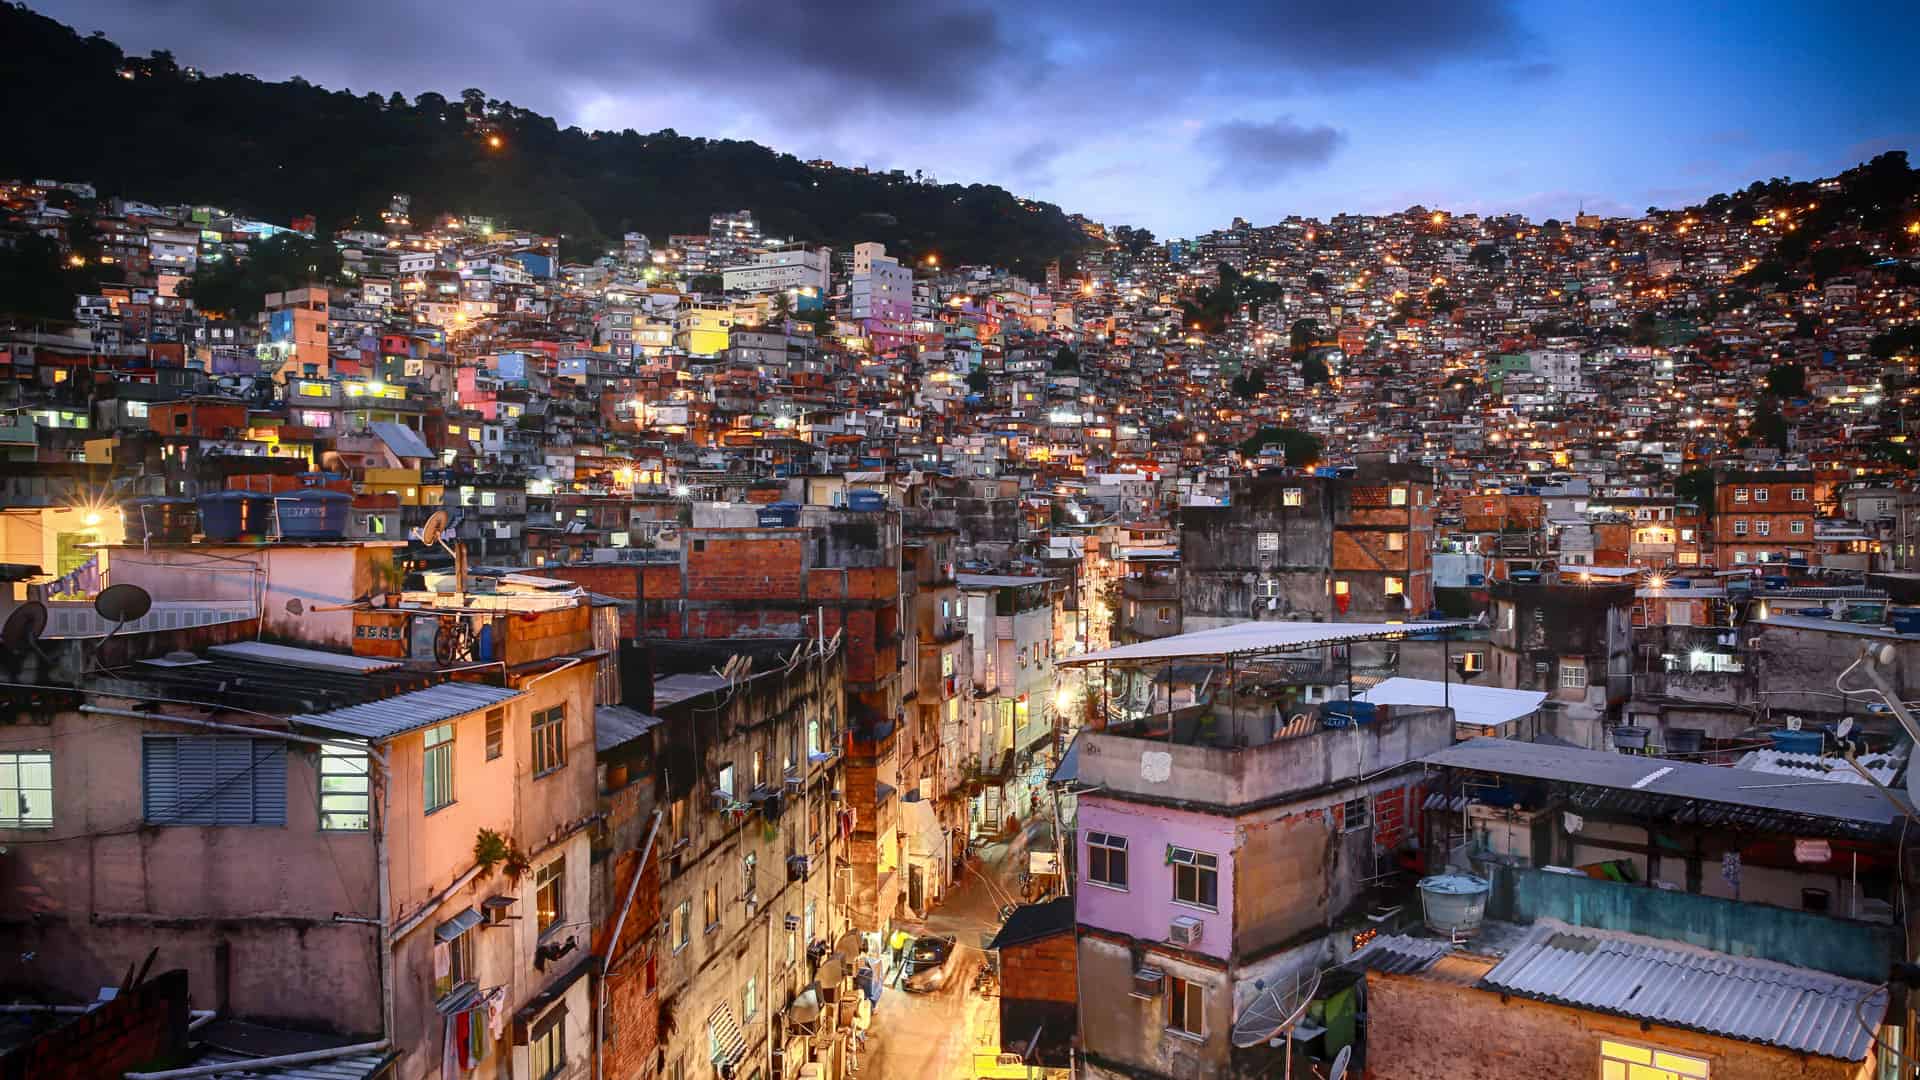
1536,72
1255,155
1033,160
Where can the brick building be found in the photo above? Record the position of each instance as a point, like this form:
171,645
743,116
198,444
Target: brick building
1039,1005
1762,516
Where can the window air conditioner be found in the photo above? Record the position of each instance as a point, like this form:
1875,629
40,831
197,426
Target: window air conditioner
1147,983
1186,930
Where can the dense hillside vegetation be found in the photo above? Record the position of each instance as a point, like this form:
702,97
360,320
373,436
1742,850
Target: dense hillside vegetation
80,109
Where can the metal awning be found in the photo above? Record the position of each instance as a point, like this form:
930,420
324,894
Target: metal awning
408,712
1254,639
1480,706
725,1043
462,922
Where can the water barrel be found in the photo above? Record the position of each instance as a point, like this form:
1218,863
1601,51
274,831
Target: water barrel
1797,742
1684,740
160,517
780,515
1454,903
1339,714
1630,737
223,515
1904,620
313,514
866,501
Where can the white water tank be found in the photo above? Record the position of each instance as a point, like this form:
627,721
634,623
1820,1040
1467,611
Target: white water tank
1454,903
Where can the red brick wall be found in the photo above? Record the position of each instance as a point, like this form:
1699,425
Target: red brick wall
744,569
147,1026
1039,970
633,1006
1423,1028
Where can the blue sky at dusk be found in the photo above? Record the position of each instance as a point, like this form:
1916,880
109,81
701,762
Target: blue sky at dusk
1173,116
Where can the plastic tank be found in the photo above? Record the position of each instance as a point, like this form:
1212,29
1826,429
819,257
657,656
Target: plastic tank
1798,742
162,518
1339,714
313,514
866,501
223,515
1630,737
1904,620
1454,903
780,515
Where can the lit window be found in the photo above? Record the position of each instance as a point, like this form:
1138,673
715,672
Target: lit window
1398,497
1186,1008
1340,588
682,925
344,789
437,769
1628,1061
546,1050
26,790
1473,661
1393,586
749,999
1396,541
549,900
1292,497
1739,495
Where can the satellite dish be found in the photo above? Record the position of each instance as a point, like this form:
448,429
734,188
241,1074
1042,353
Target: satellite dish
1845,728
1273,1014
1340,1061
24,626
122,603
436,525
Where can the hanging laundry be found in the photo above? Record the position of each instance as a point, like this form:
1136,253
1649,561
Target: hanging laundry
497,1012
463,1038
449,1053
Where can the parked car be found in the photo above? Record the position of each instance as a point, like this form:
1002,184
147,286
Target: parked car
930,963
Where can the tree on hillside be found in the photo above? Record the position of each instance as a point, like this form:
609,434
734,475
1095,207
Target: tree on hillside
978,381
1065,359
1249,384
1303,335
1313,369
1787,381
239,288
1301,448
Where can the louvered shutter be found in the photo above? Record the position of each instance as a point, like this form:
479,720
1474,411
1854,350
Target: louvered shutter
160,779
269,782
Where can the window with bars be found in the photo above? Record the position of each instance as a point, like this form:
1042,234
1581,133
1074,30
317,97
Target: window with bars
26,790
345,789
213,780
549,740
437,768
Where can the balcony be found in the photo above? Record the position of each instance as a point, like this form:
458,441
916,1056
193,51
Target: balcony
1150,588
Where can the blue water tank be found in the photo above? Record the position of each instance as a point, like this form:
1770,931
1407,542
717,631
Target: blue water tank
223,515
1339,714
313,514
1680,583
1525,577
1905,620
1797,742
1474,581
780,515
159,517
866,501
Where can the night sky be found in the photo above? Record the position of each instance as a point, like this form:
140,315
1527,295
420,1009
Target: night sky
1175,116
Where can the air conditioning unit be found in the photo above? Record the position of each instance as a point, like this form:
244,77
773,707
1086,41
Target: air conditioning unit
1186,930
1147,983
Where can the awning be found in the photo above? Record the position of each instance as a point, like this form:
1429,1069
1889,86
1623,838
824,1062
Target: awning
725,1044
1481,706
459,924
1253,639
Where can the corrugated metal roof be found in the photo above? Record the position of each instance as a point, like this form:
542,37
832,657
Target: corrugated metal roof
616,724
1398,954
1661,781
1680,986
408,712
401,439
268,653
353,1067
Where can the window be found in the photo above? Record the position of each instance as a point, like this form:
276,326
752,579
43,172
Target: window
1291,497
1798,494
725,782
1164,614
1353,814
496,732
1739,557
749,863
213,780
1573,674
682,925
1186,1008
749,999
437,769
1628,1061
1797,528
713,907
549,894
547,1049
458,938
759,761
1739,495
1740,527
549,740
1473,661
26,790
1196,877
1341,588
1394,586
1107,859
1759,494
1763,528
1397,497
1396,541
344,789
